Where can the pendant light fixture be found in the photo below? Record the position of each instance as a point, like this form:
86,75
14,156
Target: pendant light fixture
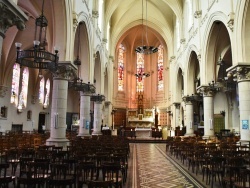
145,48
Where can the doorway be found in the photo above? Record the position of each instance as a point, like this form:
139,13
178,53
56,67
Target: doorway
41,122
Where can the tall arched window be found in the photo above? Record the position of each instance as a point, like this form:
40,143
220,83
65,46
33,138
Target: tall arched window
46,101
41,91
140,71
120,68
15,84
24,92
160,68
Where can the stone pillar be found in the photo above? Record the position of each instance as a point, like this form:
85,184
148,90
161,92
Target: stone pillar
84,114
59,105
97,118
175,118
97,113
108,116
241,73
189,123
208,106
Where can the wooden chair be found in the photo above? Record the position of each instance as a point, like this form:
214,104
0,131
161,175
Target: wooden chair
232,170
243,181
100,158
113,171
122,160
85,173
24,165
30,182
100,184
12,158
5,179
59,177
35,175
217,168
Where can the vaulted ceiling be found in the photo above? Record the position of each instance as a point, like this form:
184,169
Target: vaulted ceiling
125,18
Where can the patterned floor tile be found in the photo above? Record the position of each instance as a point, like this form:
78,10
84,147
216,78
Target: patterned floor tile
154,170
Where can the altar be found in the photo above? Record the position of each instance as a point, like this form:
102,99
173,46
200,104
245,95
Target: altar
141,120
143,132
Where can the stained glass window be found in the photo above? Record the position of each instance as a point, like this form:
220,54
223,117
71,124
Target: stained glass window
41,91
46,102
140,71
24,92
15,84
120,68
160,68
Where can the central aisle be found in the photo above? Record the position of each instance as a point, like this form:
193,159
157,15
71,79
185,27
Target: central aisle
150,167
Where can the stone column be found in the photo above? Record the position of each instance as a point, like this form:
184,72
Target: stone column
241,73
189,123
59,105
108,116
176,117
84,114
97,113
208,106
97,118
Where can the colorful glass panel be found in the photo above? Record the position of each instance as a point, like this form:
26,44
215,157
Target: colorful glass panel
121,68
160,68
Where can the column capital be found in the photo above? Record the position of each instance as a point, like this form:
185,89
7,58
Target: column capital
11,15
97,98
177,105
188,100
240,72
209,90
65,71
85,93
78,85
108,103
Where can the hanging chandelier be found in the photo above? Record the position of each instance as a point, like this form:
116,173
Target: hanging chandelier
145,49
38,57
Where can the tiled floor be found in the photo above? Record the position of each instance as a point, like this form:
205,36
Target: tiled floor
150,166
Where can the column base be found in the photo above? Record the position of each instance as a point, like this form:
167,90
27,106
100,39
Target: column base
189,135
84,134
64,142
96,133
208,137
114,132
244,141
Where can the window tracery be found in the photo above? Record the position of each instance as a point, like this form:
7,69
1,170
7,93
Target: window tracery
160,68
46,101
140,71
41,91
15,84
120,68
